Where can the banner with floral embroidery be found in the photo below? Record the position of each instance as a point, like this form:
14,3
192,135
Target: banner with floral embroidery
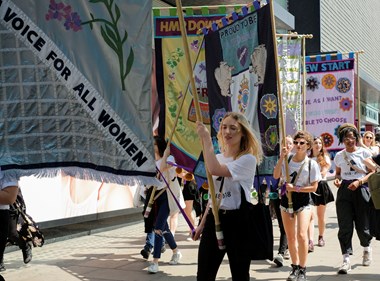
329,101
175,96
76,89
241,77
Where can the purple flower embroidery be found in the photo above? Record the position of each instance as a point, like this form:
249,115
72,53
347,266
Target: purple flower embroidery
73,22
217,118
60,11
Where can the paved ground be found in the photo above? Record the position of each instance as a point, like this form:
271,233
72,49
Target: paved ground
114,255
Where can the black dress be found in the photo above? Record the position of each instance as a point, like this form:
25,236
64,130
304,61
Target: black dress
323,195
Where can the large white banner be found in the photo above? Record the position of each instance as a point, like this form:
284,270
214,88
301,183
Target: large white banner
75,89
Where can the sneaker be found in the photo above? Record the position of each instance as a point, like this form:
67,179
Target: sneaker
302,274
163,249
286,254
311,246
145,253
321,242
175,258
279,260
367,258
345,268
293,273
2,267
153,267
27,254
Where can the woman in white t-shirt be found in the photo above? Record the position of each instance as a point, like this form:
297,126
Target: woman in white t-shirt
160,226
353,198
8,195
323,195
304,177
370,143
233,172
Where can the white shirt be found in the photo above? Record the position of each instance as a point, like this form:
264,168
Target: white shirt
347,173
242,174
303,178
4,183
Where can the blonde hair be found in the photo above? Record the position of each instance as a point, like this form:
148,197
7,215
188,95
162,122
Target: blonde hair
373,142
249,144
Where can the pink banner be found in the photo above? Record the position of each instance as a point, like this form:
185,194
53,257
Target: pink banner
329,98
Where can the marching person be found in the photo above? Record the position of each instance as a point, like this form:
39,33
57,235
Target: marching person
353,198
160,225
323,195
283,252
233,172
8,194
305,176
370,142
13,235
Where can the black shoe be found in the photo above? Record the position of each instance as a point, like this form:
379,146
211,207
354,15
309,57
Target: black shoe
27,254
293,273
145,253
302,274
2,267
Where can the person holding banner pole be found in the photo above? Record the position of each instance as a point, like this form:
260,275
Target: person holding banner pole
305,175
233,171
161,227
283,252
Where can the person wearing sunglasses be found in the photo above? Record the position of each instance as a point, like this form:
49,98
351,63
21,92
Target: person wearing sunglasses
370,142
304,175
353,198
323,195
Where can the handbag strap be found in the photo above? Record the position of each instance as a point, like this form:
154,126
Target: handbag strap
350,164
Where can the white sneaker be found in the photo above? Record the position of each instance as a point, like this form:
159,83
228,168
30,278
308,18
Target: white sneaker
175,258
279,260
345,268
153,267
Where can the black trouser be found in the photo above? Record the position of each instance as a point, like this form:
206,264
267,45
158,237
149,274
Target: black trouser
283,244
4,222
352,209
236,241
13,235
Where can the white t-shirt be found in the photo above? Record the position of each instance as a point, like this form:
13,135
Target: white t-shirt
169,174
243,173
4,183
303,178
357,157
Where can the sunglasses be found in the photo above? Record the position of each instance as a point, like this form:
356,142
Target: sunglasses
299,142
367,137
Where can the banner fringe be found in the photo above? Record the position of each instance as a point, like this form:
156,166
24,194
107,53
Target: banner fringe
83,174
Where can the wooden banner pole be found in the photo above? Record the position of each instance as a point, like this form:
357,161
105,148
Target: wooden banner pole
280,105
219,233
303,83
